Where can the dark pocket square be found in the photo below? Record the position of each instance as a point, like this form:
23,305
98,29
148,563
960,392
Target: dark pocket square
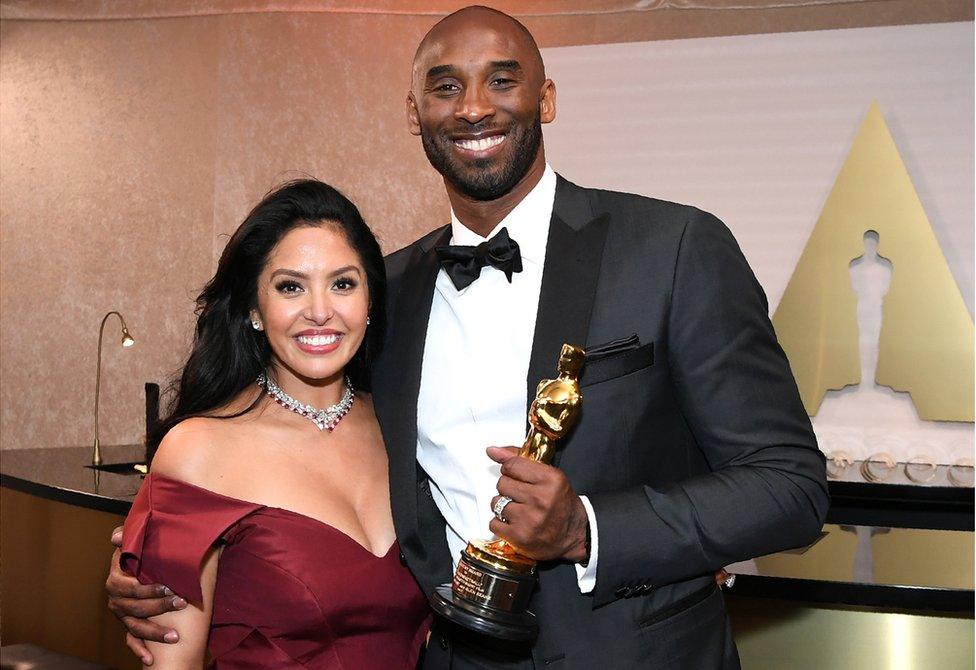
607,349
616,359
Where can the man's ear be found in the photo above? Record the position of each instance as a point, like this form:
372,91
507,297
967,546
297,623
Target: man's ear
547,102
413,116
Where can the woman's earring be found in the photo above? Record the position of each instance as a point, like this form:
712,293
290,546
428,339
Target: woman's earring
367,320
256,324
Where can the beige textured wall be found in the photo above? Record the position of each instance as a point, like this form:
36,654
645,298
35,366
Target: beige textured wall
107,157
129,146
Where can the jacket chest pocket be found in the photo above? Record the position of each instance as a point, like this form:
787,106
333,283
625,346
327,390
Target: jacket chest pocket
617,364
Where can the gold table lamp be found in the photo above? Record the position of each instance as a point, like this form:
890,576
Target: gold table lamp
127,341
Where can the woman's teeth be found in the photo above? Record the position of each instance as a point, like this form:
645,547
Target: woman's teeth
317,340
480,144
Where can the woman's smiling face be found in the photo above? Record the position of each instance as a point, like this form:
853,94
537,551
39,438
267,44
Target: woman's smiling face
313,302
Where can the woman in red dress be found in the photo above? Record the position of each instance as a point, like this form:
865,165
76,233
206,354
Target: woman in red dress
267,507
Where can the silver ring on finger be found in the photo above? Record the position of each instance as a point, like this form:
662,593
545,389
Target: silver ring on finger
498,509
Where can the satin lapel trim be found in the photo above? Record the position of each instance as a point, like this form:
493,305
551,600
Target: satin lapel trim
569,282
409,334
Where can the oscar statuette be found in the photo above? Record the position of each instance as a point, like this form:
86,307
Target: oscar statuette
493,582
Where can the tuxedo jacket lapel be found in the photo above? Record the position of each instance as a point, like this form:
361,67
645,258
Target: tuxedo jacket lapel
573,255
401,387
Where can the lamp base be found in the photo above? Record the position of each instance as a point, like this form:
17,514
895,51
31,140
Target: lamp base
128,468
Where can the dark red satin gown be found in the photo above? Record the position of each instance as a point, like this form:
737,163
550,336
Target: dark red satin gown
291,591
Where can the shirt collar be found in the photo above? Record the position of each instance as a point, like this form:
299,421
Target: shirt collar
528,223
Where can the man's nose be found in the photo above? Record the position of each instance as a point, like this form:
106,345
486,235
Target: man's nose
474,106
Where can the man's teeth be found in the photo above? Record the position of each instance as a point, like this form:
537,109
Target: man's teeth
480,144
317,340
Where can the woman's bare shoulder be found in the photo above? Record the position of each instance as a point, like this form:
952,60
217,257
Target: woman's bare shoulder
194,449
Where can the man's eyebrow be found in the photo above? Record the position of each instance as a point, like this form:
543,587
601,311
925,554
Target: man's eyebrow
506,65
438,70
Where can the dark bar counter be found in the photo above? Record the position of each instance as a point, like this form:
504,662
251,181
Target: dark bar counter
892,546
57,519
63,474
885,545
894,565
902,569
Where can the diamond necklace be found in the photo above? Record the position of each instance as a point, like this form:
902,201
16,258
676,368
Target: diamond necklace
324,419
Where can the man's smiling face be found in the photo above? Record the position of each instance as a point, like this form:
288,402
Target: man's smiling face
478,99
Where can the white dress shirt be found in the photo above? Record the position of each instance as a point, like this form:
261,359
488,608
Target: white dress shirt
473,380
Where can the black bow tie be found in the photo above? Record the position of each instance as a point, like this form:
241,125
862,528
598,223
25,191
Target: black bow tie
463,264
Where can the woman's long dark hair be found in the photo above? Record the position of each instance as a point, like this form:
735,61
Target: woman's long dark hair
228,354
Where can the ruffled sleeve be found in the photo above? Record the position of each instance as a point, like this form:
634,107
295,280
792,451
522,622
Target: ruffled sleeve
169,530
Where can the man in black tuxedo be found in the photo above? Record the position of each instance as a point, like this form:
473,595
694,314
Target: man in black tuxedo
693,450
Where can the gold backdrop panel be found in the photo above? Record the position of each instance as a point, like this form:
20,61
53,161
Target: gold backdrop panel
926,341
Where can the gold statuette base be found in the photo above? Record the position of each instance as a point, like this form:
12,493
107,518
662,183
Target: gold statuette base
490,593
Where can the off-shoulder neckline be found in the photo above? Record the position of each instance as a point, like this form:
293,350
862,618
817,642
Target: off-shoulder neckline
262,506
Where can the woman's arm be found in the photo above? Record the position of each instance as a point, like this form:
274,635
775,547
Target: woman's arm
193,622
181,457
